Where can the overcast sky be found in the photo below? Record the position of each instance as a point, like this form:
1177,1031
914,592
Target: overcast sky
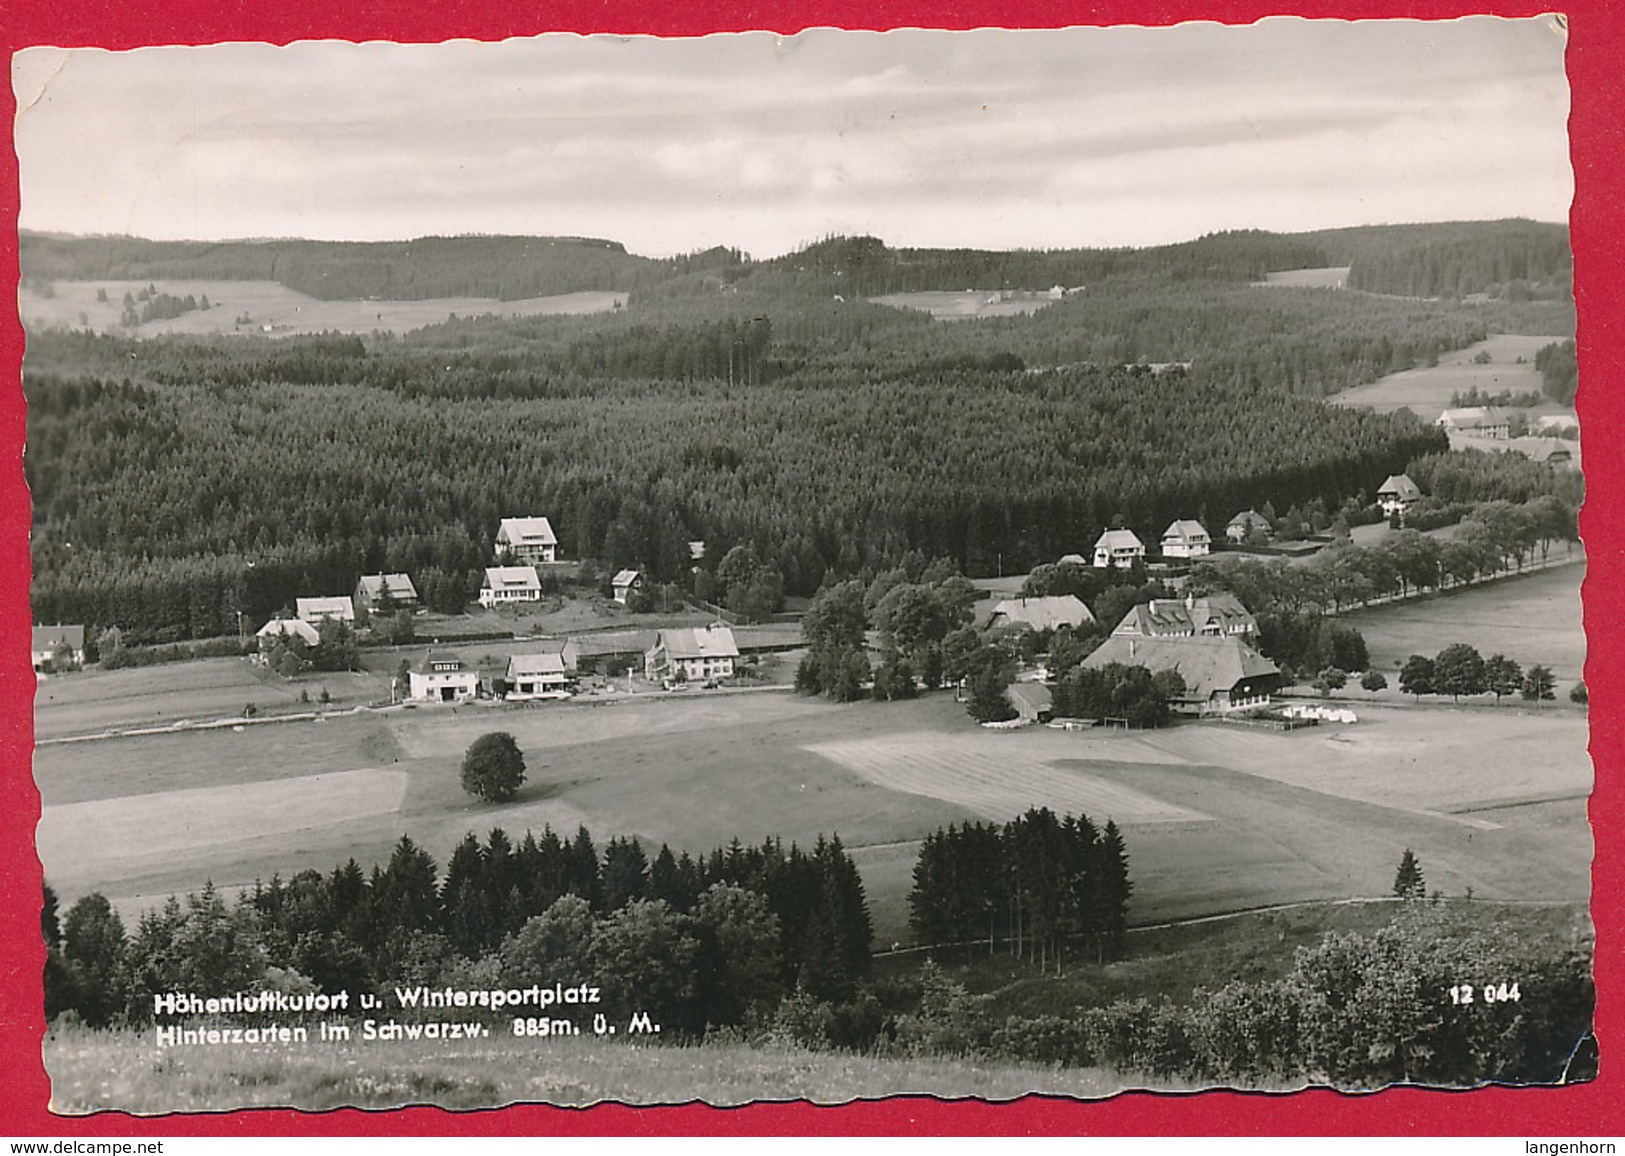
997,139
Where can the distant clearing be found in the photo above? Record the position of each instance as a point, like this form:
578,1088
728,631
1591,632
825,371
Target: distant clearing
1532,619
999,777
1426,392
972,303
1332,277
276,310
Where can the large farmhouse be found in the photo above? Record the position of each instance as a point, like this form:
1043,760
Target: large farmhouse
527,540
443,677
504,585
1221,674
692,655
1119,548
1047,613
1486,421
1216,615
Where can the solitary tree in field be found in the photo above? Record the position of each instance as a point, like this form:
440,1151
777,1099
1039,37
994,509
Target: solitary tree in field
1373,681
1329,680
1579,694
1408,882
493,767
1458,669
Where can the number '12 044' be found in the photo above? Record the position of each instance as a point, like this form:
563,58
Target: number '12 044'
1486,993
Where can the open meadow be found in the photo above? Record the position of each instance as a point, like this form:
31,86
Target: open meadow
276,310
1217,817
1426,392
1532,618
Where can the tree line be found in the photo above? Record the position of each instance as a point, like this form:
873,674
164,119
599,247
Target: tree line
699,941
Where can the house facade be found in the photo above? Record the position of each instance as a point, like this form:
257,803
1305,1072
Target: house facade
527,540
1397,495
1186,538
391,589
315,610
1221,674
625,584
443,677
692,655
58,647
532,676
1246,524
1485,421
506,585
1119,548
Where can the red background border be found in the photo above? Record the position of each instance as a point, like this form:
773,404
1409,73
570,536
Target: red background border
1596,68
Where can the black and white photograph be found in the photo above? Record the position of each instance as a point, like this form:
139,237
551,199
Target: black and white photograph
817,567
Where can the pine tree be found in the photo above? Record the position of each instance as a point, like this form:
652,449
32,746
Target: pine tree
1408,881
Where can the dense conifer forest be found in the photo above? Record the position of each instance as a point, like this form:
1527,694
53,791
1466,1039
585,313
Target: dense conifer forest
177,481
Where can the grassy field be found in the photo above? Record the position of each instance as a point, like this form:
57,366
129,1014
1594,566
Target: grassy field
277,310
1332,277
92,1071
1531,618
948,306
1218,818
1426,392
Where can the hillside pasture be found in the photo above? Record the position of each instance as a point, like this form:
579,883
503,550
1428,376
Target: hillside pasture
969,304
1426,392
1331,277
276,310
1532,618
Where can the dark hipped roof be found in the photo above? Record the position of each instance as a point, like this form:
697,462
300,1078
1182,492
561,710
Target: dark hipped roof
1206,663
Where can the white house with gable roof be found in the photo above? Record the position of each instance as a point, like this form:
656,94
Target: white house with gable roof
527,540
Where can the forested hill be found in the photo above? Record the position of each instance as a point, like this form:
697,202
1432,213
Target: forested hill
1513,259
505,268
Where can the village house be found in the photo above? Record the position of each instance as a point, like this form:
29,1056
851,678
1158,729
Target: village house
1221,674
393,590
316,610
1042,614
692,654
1215,615
1119,548
1245,525
280,629
1397,495
527,540
536,676
58,648
625,583
443,677
1485,421
1186,538
504,585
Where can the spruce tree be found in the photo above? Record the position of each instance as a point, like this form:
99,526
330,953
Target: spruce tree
1408,881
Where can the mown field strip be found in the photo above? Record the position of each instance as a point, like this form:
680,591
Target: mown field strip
993,779
76,835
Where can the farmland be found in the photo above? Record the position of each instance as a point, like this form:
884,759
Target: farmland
1532,618
1426,391
1217,817
275,309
